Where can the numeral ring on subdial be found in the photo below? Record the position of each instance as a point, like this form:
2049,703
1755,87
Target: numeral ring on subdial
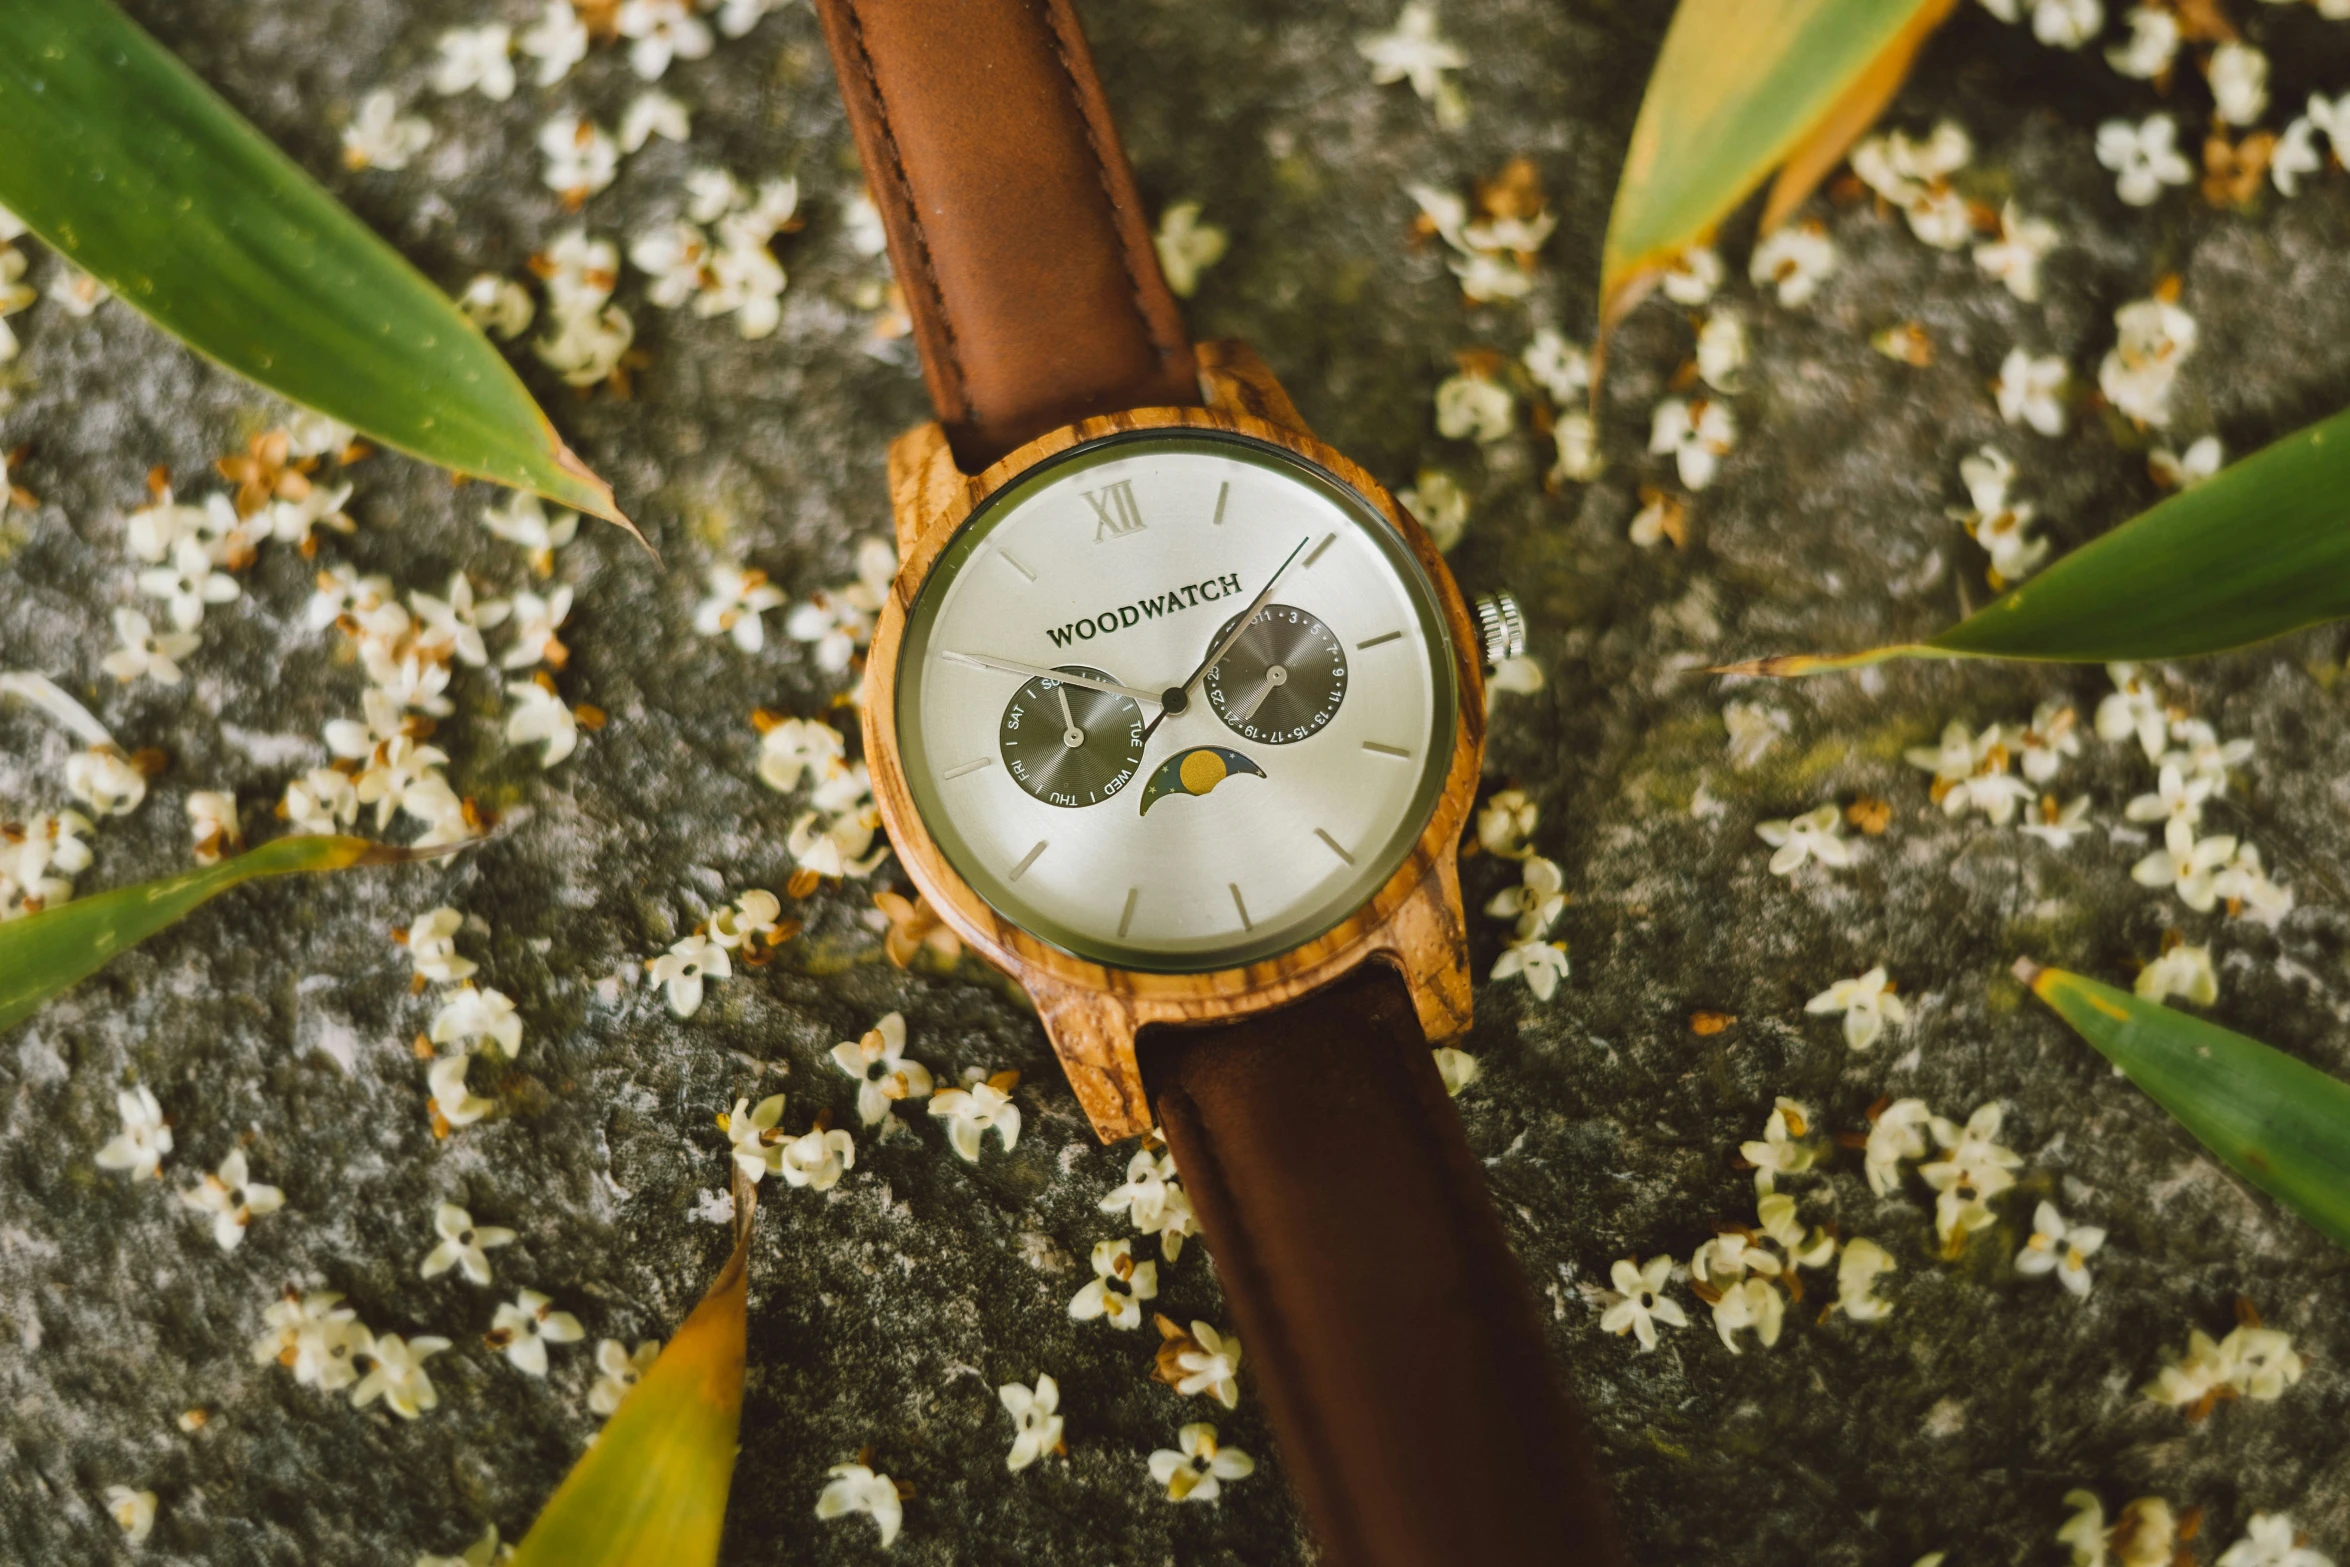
1282,681
1070,745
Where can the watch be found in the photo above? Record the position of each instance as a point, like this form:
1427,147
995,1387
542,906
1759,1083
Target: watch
1176,716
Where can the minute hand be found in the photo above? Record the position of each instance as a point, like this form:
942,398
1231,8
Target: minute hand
1012,666
1224,646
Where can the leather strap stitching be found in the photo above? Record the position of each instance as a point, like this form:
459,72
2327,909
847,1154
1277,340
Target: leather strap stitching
1135,286
912,210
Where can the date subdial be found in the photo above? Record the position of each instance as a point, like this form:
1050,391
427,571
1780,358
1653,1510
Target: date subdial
1069,745
1282,680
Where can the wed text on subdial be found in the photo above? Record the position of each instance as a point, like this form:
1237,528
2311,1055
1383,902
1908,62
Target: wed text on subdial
1070,745
1282,680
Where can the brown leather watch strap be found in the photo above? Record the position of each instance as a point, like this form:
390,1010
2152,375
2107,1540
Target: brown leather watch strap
1013,223
1391,1332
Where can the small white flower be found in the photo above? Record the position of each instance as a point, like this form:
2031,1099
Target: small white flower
854,1488
1696,435
2058,826
737,17
1195,1469
320,801
1795,260
2014,257
451,1098
1693,276
581,158
1749,1303
2153,44
1785,1147
379,137
315,1337
1561,368
1212,1368
536,624
1867,1003
618,1370
1973,1169
498,305
526,1326
1441,505
839,621
453,626
651,114
2066,24
2176,798
2249,891
2052,735
397,1375
15,295
738,597
800,748
1721,351
663,30
579,274
1536,901
188,584
1637,1303
476,58
2144,157
539,714
1187,247
432,946
817,1158
1754,729
1120,1286
683,968
558,40
477,1019
2186,864
144,1139
463,1245
2294,155
1413,51
2184,470
146,651
975,1108
758,1146
751,917
1474,407
133,1510
1456,1069
2134,708
233,1200
2154,339
1541,964
103,779
2239,82
2059,1248
77,293
2182,970
2031,391
676,256
2270,1541
884,1075
1143,1197
1857,1270
1035,1421
586,348
1577,438
1818,832
1997,522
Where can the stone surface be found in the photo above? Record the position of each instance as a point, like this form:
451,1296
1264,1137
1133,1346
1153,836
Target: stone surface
885,1313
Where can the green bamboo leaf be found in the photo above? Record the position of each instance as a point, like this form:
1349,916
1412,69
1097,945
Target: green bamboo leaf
2280,1123
45,953
114,153
2259,549
652,1491
1743,87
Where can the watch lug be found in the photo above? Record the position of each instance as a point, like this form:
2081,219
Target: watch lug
1235,381
1426,940
1092,1032
924,483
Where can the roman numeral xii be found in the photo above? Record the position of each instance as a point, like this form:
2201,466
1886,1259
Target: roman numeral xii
1114,509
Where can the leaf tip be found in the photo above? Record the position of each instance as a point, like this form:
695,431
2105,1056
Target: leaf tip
595,497
2029,973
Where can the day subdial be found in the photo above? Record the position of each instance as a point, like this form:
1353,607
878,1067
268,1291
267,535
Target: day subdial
1282,680
1070,745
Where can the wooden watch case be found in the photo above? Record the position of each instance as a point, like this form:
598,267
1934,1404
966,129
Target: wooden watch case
1091,1012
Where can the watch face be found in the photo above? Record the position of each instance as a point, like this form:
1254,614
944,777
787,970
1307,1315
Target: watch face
1176,701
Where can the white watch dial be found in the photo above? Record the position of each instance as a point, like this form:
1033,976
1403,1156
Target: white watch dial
1176,701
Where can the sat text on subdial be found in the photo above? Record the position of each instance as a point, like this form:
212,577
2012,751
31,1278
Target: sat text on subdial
1282,681
1070,745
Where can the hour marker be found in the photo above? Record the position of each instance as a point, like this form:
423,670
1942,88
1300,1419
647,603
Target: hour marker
1027,859
1385,750
1334,848
1115,512
1328,539
1384,636
968,767
1223,494
1006,556
1245,922
1127,918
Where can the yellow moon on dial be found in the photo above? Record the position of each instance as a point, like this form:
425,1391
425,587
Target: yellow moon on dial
1196,771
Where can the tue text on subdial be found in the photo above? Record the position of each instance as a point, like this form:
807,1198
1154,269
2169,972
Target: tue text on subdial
1070,745
1282,680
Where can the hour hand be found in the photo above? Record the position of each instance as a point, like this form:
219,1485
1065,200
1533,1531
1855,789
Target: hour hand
1012,666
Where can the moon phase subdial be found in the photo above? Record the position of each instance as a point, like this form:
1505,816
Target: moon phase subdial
1281,681
1068,745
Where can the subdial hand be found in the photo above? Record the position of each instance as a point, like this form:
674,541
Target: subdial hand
1275,678
1012,666
1073,735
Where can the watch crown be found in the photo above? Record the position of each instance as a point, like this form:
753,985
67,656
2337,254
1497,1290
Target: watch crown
1503,623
